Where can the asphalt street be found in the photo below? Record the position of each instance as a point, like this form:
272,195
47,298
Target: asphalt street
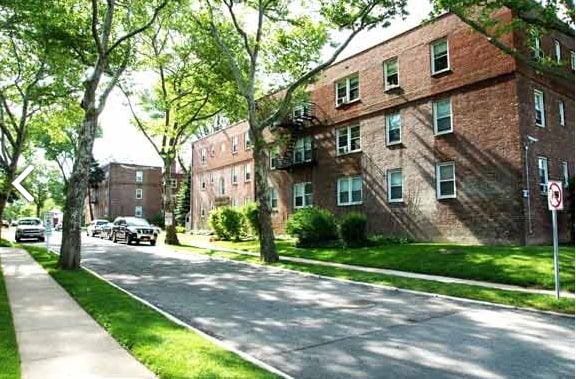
316,328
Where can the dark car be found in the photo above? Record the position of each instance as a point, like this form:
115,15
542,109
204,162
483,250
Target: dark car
133,229
29,228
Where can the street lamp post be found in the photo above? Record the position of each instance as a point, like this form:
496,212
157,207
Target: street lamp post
529,140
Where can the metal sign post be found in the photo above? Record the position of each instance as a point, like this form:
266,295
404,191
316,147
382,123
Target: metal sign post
48,221
555,203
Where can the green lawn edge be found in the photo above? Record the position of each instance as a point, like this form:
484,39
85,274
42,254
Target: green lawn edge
166,348
495,296
9,355
525,266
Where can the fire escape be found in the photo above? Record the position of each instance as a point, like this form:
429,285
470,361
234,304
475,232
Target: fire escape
299,150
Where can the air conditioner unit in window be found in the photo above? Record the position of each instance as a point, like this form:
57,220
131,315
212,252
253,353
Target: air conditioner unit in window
340,101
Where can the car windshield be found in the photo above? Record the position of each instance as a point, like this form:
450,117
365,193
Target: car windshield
101,222
137,222
29,222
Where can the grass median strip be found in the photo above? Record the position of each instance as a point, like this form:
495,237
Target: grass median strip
169,350
511,298
9,356
525,266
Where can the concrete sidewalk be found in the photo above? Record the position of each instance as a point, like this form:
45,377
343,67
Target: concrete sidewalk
56,338
404,274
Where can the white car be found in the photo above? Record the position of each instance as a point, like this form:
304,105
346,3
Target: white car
29,228
95,227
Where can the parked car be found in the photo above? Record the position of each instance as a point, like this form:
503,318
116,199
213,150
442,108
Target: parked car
133,229
29,228
58,227
5,224
94,228
106,231
14,223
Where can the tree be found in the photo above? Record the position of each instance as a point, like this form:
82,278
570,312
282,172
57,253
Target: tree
95,176
531,17
188,94
266,37
111,28
183,201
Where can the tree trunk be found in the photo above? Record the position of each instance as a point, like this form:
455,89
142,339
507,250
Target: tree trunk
38,209
171,236
3,200
268,252
90,204
71,231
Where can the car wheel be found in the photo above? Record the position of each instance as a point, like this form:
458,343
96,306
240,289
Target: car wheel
114,238
152,243
18,239
136,242
41,239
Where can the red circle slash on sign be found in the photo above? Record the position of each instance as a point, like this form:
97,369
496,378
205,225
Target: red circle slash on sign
556,195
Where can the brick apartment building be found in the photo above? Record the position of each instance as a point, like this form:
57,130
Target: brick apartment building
426,133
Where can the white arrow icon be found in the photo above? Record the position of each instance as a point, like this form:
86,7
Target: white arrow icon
19,179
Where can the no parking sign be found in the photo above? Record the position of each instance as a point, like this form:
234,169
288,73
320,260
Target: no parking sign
555,196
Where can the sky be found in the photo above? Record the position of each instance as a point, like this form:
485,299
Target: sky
123,142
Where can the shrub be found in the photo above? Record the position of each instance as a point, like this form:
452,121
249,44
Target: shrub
250,212
353,229
158,220
312,226
227,223
379,239
180,229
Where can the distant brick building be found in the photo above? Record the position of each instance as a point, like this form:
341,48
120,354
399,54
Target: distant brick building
426,133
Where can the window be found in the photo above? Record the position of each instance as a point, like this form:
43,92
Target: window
273,194
222,187
212,207
303,150
539,108
348,139
174,183
247,200
203,181
202,210
138,193
393,129
350,190
565,173
211,178
572,60
212,151
234,174
347,90
557,52
203,155
445,180
274,156
440,59
442,116
247,172
247,141
138,211
537,52
391,78
561,113
395,186
234,144
235,201
302,194
302,111
543,174
139,176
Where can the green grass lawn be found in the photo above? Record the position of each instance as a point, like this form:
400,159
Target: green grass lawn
169,350
512,298
526,266
9,356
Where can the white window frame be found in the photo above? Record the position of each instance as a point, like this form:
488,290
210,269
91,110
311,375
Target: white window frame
274,156
222,186
348,148
299,190
387,86
247,172
388,120
203,182
346,83
537,53
211,178
139,176
572,60
302,146
203,155
247,141
138,208
273,198
202,210
565,173
435,115
350,180
389,179
433,57
440,181
234,144
543,168
557,51
539,107
561,113
234,174
139,193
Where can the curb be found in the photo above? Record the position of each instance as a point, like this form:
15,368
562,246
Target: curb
389,288
222,343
